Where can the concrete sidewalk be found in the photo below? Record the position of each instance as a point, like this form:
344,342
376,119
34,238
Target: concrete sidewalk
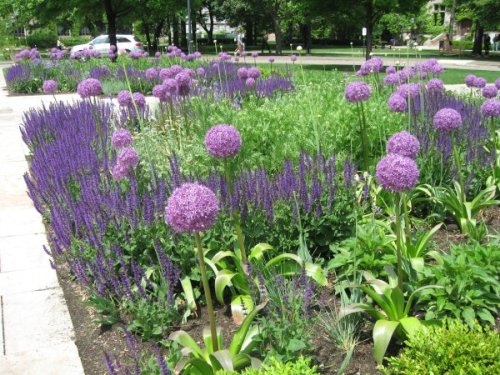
36,330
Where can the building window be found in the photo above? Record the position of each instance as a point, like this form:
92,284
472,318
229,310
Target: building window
439,12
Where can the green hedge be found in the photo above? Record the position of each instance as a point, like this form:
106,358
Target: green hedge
42,39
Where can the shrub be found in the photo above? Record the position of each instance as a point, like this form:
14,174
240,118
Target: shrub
301,367
452,349
42,39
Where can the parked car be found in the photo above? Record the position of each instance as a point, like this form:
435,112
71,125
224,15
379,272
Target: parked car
127,43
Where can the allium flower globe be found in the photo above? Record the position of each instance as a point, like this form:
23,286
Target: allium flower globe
151,73
497,83
491,108
357,92
191,208
293,58
250,82
223,141
409,90
124,98
435,85
490,91
139,99
397,103
120,172
390,69
121,138
391,80
49,86
404,144
242,73
397,173
89,87
447,119
480,82
469,80
254,73
128,157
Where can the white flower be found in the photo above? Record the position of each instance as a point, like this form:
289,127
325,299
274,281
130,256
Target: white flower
352,43
215,41
299,48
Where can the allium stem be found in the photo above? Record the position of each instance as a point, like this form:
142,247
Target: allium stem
404,201
397,209
494,131
208,296
364,137
456,155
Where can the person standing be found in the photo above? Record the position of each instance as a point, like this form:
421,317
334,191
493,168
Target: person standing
487,44
240,42
496,42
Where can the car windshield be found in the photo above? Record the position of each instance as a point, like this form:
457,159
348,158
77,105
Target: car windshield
101,39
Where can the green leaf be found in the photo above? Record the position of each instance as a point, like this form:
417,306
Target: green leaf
410,325
316,273
382,334
295,345
282,258
485,315
257,252
222,280
223,359
200,367
186,341
241,306
221,255
207,339
241,333
468,314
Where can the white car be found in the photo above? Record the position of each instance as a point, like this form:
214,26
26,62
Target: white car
127,43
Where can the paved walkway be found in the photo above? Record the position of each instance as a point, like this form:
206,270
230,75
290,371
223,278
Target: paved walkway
36,331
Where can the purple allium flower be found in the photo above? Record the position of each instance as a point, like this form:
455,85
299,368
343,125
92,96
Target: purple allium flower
497,83
128,157
293,58
435,85
491,108
390,69
112,48
166,73
183,81
391,79
404,144
250,82
409,90
254,73
157,54
479,82
255,54
176,69
139,99
242,73
124,98
406,74
223,141
271,60
397,173
89,87
357,92
397,103
191,208
151,73
200,71
121,138
469,80
436,69
120,172
49,86
158,91
447,119
490,91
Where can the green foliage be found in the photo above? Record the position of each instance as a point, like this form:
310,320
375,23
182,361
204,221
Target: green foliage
300,366
454,349
43,38
470,284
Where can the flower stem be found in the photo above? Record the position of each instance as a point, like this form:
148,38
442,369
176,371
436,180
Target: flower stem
494,131
208,296
456,155
397,209
407,219
364,137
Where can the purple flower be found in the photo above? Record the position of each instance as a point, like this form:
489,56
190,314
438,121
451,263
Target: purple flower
397,173
191,208
491,108
151,73
436,69
89,87
490,91
357,92
183,80
435,85
390,69
250,82
497,83
409,90
271,60
139,99
128,157
397,103
404,144
254,73
121,138
200,71
469,80
391,79
49,86
124,98
120,172
242,73
223,141
479,82
293,58
166,73
255,54
157,54
406,74
447,119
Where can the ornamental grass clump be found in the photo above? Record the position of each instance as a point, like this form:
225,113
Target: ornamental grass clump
358,92
193,208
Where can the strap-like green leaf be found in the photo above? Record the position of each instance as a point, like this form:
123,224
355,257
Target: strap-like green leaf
221,360
257,252
241,333
241,306
222,280
185,340
316,273
382,334
410,325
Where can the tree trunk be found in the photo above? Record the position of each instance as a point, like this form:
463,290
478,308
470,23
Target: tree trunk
277,33
175,28
369,29
477,48
184,42
157,34
169,30
193,32
249,34
111,17
148,36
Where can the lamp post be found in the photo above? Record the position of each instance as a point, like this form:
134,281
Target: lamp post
363,33
190,31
